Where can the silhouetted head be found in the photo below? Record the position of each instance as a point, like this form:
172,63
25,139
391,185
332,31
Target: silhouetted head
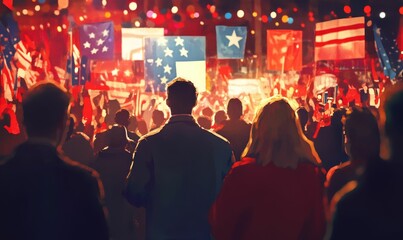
46,106
234,109
303,116
181,96
362,138
122,117
117,136
207,112
394,120
220,117
5,120
158,117
133,124
277,137
204,122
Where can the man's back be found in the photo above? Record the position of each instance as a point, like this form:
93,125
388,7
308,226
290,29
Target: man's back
237,133
46,197
177,173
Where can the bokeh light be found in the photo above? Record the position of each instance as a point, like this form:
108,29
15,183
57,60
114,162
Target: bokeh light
401,10
59,29
265,18
228,15
137,23
240,13
284,19
277,24
254,14
37,8
273,14
252,32
347,9
367,9
108,14
290,20
382,14
150,13
125,12
133,6
174,9
279,10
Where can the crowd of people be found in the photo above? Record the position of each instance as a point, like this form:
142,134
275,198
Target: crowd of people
213,175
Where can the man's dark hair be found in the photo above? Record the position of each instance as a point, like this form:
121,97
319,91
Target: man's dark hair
361,128
181,96
45,107
234,109
158,117
122,117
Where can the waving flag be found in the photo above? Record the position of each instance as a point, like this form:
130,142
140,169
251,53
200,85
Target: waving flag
284,50
231,42
340,39
97,41
170,57
133,41
388,53
6,45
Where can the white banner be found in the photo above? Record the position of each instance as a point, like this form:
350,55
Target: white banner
133,41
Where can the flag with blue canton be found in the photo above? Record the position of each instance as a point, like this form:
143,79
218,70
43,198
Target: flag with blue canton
6,47
388,53
97,41
169,57
231,42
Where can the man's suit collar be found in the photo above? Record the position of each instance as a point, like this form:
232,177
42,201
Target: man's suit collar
181,118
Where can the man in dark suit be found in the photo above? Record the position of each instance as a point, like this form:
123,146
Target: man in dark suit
235,129
44,195
178,170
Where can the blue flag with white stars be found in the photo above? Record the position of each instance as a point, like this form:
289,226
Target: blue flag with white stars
388,53
169,57
231,42
97,41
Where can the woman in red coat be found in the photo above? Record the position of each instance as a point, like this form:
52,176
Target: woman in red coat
275,192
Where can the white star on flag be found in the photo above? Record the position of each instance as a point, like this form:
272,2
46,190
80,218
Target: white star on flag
105,49
162,41
164,80
184,52
94,50
87,45
100,42
105,33
168,52
158,62
92,35
179,41
233,39
127,73
115,72
167,69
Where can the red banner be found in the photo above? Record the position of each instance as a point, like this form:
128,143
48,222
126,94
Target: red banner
284,50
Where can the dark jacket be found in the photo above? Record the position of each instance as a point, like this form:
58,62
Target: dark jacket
176,175
237,133
44,195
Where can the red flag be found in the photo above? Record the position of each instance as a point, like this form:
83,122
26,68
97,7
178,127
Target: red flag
284,50
8,3
340,39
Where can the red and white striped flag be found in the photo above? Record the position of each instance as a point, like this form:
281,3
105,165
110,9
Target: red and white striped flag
340,39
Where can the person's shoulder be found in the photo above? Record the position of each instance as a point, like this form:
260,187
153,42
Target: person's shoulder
74,168
215,136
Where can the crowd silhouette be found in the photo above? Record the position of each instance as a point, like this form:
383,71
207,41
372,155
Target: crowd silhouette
205,174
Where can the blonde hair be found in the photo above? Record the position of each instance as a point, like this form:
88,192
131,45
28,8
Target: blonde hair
277,137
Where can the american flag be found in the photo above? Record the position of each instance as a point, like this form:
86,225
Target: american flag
388,53
176,56
97,41
340,39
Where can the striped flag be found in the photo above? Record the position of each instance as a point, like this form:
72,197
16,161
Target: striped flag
340,39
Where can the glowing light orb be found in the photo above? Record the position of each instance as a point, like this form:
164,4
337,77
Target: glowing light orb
174,9
133,6
228,15
284,19
240,13
273,14
382,14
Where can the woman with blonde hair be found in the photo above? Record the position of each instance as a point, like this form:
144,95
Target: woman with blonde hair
275,192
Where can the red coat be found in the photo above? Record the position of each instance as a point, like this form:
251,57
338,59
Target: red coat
269,202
